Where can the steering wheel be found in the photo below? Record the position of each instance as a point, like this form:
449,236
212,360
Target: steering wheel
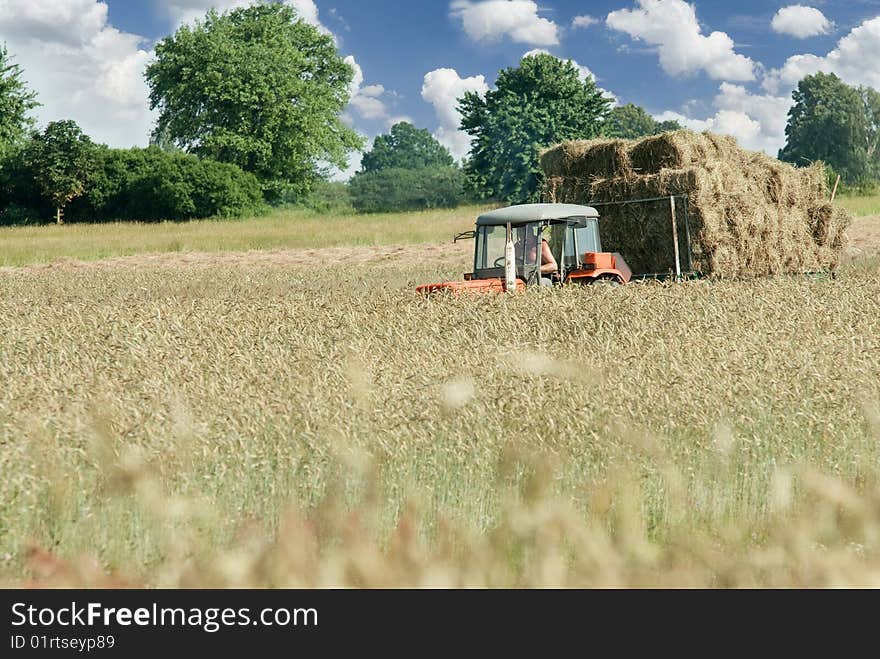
499,262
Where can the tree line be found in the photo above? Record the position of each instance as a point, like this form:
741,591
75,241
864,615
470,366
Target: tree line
250,113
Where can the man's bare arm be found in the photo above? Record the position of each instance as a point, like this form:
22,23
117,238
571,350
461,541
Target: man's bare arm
548,261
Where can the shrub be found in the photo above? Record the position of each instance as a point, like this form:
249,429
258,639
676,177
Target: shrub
152,184
20,198
15,215
326,197
137,184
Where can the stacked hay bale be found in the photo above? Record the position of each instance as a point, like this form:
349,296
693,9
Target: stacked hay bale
749,214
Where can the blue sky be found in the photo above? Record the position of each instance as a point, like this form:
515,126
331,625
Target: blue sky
728,67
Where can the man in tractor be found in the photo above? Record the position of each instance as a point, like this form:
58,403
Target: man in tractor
526,239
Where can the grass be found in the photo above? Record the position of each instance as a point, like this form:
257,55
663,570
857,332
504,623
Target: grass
861,205
269,426
283,229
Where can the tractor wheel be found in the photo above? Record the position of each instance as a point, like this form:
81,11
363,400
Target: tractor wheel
606,281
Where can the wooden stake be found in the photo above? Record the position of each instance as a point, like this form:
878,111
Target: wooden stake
675,240
834,194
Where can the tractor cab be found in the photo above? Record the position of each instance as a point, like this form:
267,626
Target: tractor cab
571,232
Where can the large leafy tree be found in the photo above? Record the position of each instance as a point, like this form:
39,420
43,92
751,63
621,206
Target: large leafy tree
871,101
630,122
257,87
406,147
828,122
16,102
539,103
62,159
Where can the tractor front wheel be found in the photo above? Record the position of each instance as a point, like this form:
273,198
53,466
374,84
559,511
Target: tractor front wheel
606,280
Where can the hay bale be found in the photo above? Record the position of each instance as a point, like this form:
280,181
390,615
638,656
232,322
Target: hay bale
588,158
748,214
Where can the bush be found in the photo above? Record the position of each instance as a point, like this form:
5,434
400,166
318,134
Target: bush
20,198
395,189
137,184
326,197
15,215
151,185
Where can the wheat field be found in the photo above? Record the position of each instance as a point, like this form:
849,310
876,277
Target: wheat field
272,425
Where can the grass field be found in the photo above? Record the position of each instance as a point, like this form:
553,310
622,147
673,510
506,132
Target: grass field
272,426
282,229
861,206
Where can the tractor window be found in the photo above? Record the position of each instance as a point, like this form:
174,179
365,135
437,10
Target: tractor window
570,258
491,242
490,248
588,238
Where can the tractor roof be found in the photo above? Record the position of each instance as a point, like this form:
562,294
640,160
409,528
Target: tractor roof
534,213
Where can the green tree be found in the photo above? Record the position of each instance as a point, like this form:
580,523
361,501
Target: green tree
630,122
62,159
16,102
406,147
667,126
828,123
257,87
539,103
871,104
396,189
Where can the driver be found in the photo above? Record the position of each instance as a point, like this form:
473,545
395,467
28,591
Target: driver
526,239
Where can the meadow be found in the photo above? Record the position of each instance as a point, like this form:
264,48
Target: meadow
291,228
272,426
861,205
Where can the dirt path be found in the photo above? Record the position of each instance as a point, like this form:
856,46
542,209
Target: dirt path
864,236
459,253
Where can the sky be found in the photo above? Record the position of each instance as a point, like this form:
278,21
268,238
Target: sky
729,67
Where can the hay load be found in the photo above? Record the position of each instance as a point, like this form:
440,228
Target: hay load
748,214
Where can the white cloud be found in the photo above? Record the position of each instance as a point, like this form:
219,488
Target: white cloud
187,11
584,22
770,113
801,22
442,88
698,125
81,67
756,121
365,100
369,107
672,26
358,79
493,19
373,91
309,12
856,59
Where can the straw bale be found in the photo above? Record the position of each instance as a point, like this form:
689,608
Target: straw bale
747,214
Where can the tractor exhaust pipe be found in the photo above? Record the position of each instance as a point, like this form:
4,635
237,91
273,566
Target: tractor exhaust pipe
509,263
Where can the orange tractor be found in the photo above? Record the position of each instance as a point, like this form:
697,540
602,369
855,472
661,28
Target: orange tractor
509,254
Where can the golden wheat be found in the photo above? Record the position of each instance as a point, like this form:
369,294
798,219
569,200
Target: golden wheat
264,426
